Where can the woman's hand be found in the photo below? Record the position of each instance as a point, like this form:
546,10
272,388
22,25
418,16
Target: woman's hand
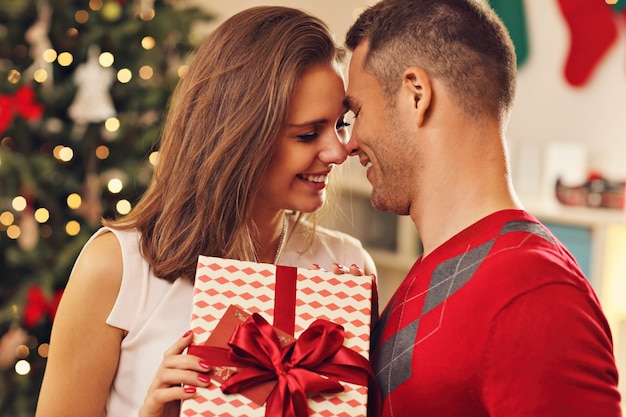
352,269
339,269
176,380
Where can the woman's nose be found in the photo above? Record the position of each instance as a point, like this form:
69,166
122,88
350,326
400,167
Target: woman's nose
334,151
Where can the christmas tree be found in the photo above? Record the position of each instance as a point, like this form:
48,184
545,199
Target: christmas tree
83,89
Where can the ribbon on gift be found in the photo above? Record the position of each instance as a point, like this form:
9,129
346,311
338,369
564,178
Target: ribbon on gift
315,363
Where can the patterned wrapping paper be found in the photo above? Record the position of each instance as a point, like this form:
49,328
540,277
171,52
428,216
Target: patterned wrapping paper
342,299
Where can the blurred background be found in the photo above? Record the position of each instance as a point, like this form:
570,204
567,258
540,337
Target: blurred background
83,87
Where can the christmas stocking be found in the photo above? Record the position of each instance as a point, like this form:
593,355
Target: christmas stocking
512,14
620,7
592,32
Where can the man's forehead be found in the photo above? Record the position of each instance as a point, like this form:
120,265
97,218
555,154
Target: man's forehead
357,59
356,67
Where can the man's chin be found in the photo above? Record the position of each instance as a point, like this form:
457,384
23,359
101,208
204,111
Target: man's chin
382,204
378,203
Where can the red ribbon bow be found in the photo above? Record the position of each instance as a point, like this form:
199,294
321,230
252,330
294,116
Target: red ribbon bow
37,306
315,363
22,103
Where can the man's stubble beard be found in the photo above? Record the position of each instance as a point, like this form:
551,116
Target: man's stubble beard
394,195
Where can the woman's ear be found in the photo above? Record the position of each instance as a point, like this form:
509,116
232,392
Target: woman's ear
417,92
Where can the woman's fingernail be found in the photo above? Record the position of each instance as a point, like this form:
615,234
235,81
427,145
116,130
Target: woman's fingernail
190,390
203,378
356,266
187,333
205,365
338,266
316,266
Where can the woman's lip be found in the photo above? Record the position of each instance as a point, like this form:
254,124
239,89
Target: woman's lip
315,178
317,182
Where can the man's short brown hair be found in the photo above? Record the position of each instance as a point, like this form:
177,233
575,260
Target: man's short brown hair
462,43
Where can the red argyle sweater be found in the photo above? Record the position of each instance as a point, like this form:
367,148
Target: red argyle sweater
498,321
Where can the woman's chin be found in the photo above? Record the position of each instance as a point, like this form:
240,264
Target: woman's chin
310,207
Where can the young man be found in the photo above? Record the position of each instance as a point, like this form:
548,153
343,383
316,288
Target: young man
496,317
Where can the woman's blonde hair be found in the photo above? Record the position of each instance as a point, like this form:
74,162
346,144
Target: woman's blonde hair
220,135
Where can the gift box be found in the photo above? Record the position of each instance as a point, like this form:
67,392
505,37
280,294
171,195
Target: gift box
239,306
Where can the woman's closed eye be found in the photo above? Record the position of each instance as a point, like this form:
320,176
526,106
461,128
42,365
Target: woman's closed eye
307,137
310,136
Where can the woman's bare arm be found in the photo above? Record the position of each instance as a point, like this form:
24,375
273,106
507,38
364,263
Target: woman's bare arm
84,350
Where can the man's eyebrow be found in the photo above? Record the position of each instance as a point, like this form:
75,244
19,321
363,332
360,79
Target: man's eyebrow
348,102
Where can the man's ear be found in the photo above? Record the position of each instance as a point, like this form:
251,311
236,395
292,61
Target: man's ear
417,90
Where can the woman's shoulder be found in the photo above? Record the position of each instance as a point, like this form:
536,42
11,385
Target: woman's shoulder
108,255
128,242
124,237
97,273
102,253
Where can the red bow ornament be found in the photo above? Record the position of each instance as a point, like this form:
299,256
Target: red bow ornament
22,103
38,305
314,363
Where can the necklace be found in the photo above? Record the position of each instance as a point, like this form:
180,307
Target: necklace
281,242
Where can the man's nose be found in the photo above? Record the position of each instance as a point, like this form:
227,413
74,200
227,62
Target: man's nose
351,146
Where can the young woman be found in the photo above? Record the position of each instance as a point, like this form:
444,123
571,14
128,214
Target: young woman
252,135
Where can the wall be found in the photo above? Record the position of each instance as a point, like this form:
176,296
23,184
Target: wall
336,13
549,109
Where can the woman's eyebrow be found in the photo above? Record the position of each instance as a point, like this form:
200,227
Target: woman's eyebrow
308,123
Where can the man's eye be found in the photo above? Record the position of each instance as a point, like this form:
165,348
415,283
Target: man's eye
341,124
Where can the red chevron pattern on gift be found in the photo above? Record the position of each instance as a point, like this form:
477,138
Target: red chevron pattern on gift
342,299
